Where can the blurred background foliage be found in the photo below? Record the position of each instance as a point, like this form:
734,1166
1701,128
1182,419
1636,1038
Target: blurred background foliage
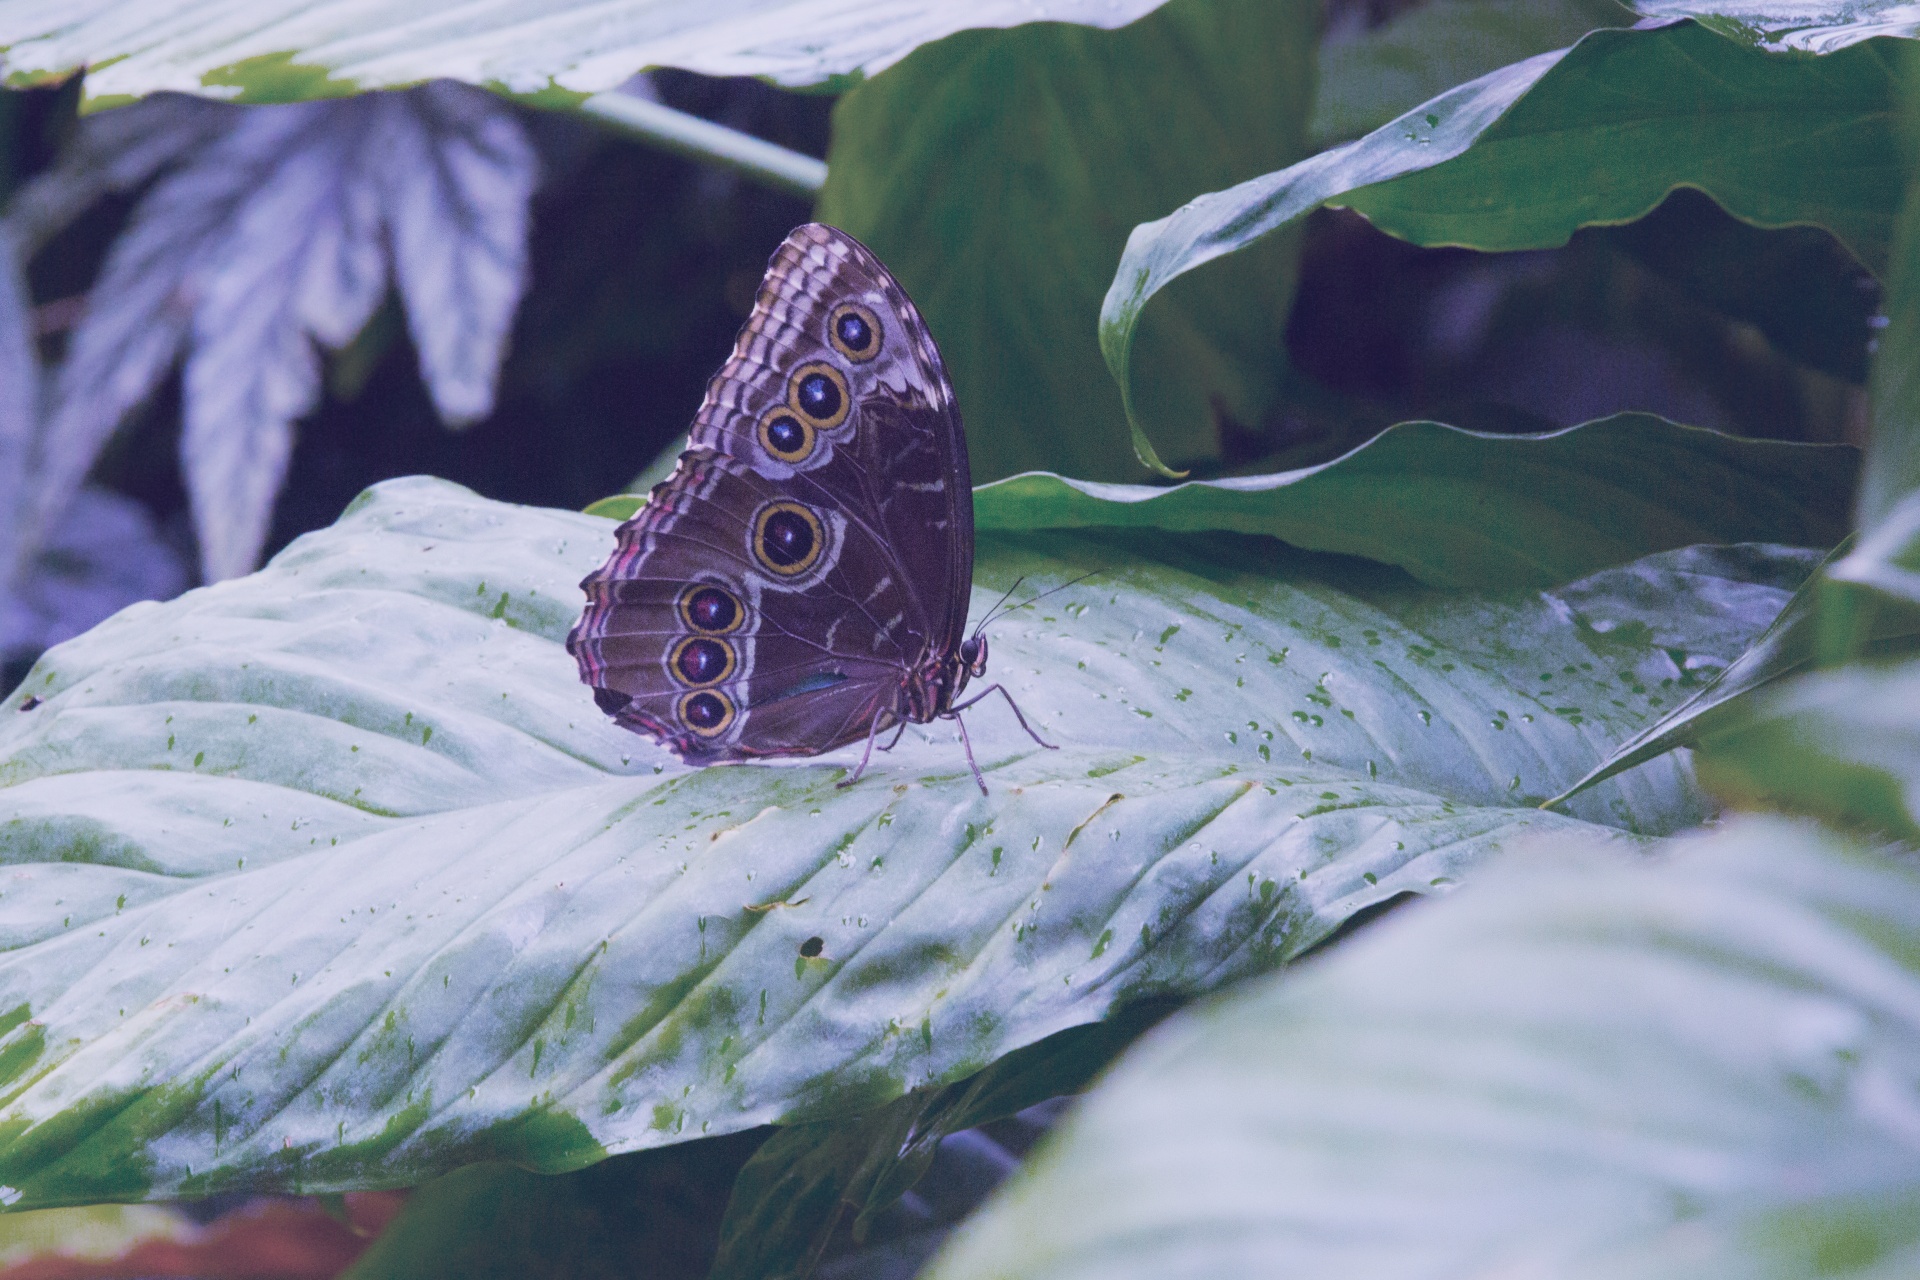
999,173
982,168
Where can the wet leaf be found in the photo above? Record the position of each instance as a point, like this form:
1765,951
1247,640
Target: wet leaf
333,876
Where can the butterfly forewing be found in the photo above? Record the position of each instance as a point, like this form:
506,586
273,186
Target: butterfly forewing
814,545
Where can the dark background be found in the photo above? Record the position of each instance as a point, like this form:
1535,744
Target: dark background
644,265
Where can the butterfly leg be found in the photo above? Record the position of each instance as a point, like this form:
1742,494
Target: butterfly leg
873,731
1002,690
896,737
968,744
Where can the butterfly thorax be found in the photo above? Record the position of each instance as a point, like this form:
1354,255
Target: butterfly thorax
933,687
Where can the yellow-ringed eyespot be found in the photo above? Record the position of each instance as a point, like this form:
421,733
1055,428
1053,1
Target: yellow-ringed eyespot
785,436
709,712
854,332
787,538
817,393
710,610
701,660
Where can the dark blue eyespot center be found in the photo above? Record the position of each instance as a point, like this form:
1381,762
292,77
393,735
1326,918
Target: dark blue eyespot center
702,661
854,332
711,609
786,434
704,711
786,538
818,397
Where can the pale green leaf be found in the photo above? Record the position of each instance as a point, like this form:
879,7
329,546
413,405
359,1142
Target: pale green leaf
282,50
1579,1062
334,876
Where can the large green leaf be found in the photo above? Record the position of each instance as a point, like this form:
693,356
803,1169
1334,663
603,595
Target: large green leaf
997,173
1849,586
1461,509
493,1221
1842,745
791,1195
1526,155
1893,452
280,50
1368,79
334,876
1574,1062
1807,26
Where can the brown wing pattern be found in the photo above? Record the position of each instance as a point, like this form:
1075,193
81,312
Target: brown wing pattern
814,544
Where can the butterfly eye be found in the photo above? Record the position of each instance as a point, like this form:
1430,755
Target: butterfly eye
711,610
699,660
708,713
787,538
854,331
785,436
818,395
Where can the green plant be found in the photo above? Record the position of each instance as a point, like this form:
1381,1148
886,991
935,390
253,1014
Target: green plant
334,878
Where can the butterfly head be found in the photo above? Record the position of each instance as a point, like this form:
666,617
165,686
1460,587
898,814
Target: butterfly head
973,657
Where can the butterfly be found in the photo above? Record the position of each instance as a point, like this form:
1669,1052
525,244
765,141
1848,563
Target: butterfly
802,578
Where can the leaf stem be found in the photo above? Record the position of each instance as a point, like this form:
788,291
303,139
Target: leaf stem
689,135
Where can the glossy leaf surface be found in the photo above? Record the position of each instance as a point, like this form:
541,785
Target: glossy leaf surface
1526,155
1368,78
333,876
284,50
997,175
1572,1063
1841,745
1457,508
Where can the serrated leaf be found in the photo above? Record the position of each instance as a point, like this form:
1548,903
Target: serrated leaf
1526,155
278,50
997,173
267,237
106,554
1575,1062
334,876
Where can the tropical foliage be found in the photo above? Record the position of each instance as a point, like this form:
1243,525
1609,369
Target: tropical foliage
330,876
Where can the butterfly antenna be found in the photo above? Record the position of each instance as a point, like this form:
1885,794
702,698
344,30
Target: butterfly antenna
1036,599
997,603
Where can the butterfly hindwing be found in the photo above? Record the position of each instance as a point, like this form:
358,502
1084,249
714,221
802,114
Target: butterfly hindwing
814,543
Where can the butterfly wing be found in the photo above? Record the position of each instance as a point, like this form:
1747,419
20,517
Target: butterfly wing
815,544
